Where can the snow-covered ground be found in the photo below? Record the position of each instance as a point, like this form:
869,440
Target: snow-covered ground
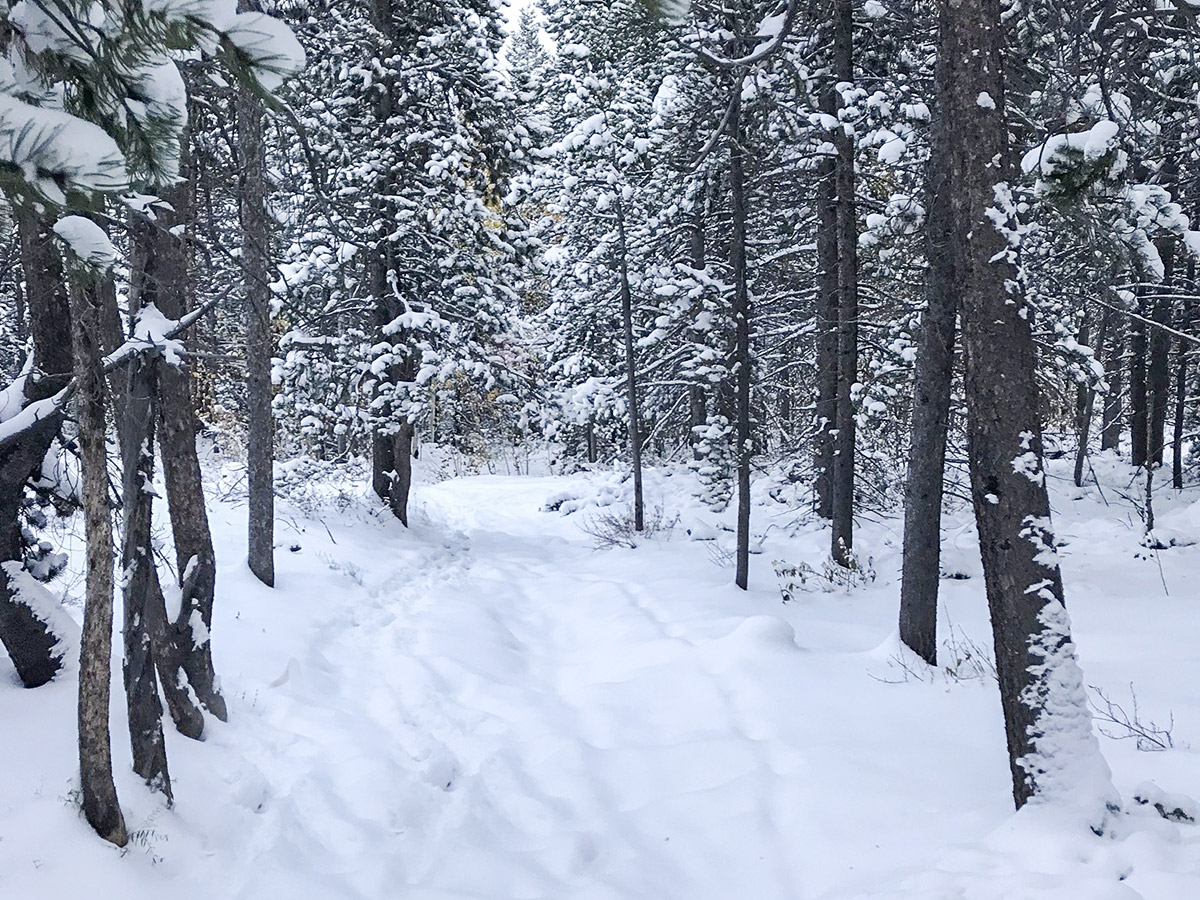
488,707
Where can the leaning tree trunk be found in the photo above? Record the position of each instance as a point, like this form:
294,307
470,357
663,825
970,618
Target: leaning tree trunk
133,389
931,406
256,267
847,227
186,642
100,805
155,279
1053,753
741,319
142,597
31,641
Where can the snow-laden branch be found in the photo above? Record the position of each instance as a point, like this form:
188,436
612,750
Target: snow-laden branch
771,34
153,332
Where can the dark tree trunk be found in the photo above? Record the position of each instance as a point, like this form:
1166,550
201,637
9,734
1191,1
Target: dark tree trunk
743,362
100,805
1050,743
1158,372
142,598
402,456
256,267
186,641
30,641
1181,376
931,405
154,279
827,320
383,464
1110,434
847,369
697,403
631,391
1139,422
590,436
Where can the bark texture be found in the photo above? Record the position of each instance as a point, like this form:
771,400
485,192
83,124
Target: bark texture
934,376
186,642
847,369
1048,727
100,805
256,266
743,364
30,642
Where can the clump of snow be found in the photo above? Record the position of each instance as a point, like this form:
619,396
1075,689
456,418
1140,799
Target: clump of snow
1053,154
154,328
86,240
1066,763
270,45
985,101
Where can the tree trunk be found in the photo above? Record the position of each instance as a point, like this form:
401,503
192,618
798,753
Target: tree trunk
827,320
847,228
1110,434
33,646
154,280
186,641
931,406
743,362
1181,374
100,805
631,392
402,455
1139,423
1158,372
697,403
142,597
256,267
1052,751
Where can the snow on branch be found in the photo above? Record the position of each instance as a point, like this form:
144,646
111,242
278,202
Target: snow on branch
771,34
153,332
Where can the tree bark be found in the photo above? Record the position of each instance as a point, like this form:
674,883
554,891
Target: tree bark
931,403
1052,750
1181,376
1139,422
256,266
157,275
743,362
186,643
100,805
1110,433
631,391
142,597
1158,374
827,320
847,227
30,641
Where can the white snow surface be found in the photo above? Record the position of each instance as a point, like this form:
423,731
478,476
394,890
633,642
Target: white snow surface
486,706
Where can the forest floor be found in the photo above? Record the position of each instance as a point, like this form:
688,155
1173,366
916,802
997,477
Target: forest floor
488,706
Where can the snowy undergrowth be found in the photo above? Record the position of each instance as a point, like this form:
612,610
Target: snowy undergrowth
486,706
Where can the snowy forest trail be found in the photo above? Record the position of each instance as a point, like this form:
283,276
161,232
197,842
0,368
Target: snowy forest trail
487,707
506,712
